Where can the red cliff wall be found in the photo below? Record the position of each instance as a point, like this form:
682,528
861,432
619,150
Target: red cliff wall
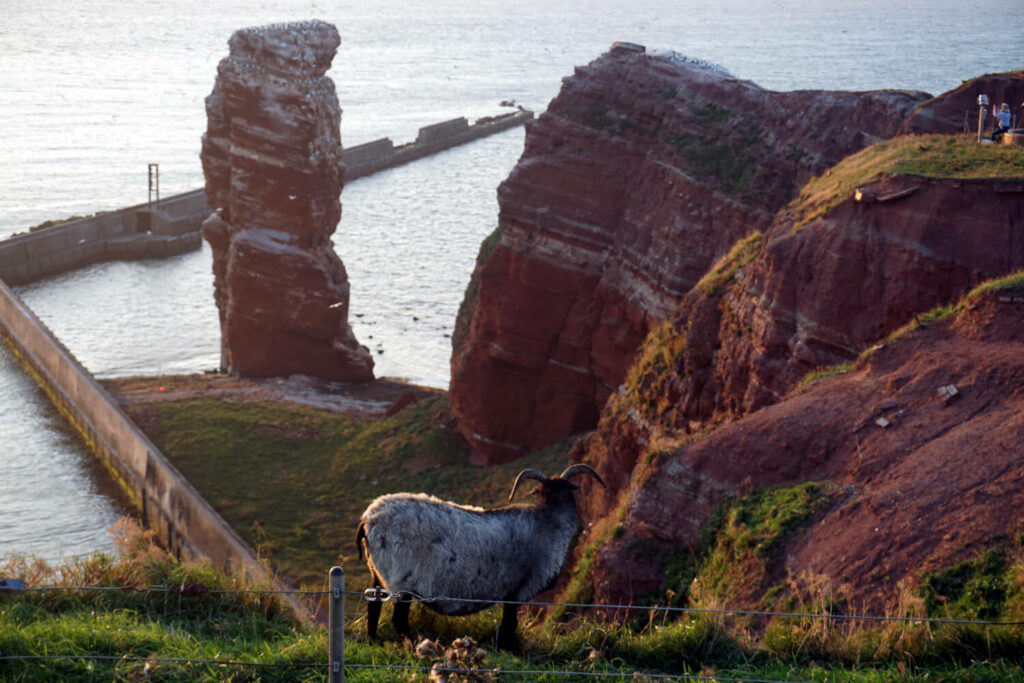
805,299
644,170
272,160
820,295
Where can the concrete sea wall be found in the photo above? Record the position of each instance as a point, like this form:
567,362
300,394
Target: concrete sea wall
137,232
173,225
184,522
362,160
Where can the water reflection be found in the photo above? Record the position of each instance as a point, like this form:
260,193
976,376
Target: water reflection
55,500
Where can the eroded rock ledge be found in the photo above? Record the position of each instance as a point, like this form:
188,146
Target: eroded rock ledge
272,159
644,170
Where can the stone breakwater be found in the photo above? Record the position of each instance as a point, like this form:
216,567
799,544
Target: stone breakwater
173,225
182,520
136,232
272,158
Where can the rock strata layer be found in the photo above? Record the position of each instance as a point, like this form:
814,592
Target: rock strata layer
272,158
801,299
644,170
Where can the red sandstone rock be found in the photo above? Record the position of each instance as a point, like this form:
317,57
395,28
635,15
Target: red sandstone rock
644,170
821,295
896,520
811,298
272,160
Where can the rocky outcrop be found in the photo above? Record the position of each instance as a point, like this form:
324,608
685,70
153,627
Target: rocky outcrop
929,486
801,298
819,295
644,170
272,160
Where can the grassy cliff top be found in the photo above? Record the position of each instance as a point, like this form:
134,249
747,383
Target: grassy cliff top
925,156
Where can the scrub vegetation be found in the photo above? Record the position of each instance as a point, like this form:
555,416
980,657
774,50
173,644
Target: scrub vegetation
1012,284
467,307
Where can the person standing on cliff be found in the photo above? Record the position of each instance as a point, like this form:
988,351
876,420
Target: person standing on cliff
1003,115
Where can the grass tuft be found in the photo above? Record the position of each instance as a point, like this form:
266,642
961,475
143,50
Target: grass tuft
926,156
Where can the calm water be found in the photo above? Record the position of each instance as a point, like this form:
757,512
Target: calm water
92,92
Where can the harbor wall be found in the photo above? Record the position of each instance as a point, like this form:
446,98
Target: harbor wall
382,154
174,224
137,232
183,521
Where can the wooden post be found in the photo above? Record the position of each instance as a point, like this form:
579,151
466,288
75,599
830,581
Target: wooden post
336,634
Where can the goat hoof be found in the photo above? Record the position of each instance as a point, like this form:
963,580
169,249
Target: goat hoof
512,645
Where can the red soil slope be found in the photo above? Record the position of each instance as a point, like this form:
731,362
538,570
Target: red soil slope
943,480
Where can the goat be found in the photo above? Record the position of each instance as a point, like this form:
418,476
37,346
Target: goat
418,546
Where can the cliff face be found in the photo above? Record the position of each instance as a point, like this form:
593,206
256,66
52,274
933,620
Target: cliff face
933,488
802,298
644,170
818,295
272,160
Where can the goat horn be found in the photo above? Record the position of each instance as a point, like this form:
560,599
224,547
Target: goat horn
527,474
582,468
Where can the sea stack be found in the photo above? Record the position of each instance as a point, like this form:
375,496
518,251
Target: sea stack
272,159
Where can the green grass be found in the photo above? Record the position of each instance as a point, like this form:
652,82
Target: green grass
822,373
293,481
741,253
975,589
657,361
741,538
1012,284
143,633
128,626
926,156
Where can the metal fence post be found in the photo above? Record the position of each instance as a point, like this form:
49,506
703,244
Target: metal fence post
336,633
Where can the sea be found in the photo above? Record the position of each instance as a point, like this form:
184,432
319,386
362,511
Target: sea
93,92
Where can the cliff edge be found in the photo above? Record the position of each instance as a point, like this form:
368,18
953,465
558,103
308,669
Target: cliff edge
920,477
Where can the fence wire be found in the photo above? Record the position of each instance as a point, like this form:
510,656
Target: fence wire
383,595
170,660
371,595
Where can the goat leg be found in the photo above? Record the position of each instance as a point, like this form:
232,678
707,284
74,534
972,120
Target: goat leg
372,614
400,618
507,629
